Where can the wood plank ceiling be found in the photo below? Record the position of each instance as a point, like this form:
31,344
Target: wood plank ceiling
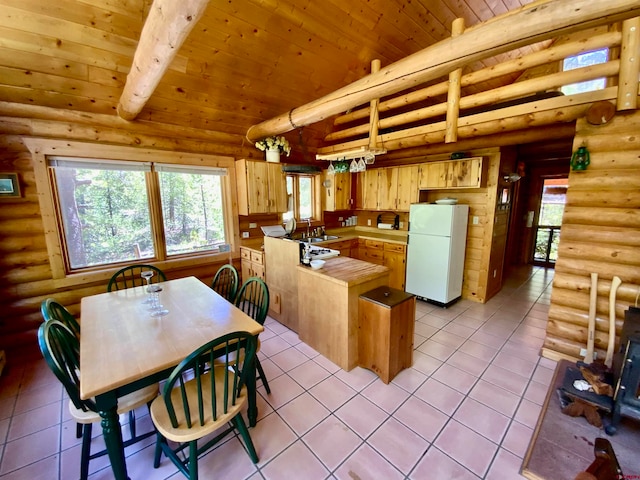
244,62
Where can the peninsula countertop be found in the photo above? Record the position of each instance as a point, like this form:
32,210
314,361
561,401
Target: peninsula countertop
347,271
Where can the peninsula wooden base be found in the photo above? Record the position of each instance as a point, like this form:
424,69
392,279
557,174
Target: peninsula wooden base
328,306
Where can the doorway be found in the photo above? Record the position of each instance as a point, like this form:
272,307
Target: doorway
547,230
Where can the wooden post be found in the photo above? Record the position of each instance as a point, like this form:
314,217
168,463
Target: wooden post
373,111
453,97
166,28
555,53
524,26
629,65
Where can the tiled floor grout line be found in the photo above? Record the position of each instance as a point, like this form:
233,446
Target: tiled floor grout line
538,282
411,394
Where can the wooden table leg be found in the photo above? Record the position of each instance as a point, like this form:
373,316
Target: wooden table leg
107,405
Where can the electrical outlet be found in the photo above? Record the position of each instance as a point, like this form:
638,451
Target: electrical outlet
340,219
401,224
245,234
253,225
583,352
476,220
368,222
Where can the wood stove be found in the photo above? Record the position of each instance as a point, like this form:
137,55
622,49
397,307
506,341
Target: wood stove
626,399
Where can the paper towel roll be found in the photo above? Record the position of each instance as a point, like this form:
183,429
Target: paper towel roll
385,226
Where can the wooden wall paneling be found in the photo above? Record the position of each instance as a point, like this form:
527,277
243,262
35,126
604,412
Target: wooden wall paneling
68,31
599,234
104,15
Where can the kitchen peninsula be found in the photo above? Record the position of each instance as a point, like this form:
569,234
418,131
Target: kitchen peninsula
328,305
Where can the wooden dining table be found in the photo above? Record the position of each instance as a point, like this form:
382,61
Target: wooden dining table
123,348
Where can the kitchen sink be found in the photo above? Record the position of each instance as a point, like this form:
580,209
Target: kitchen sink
324,238
312,239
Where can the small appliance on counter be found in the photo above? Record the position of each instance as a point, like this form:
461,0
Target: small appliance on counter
310,252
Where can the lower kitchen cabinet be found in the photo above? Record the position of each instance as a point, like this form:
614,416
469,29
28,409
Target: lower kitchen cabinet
252,263
392,255
345,247
395,258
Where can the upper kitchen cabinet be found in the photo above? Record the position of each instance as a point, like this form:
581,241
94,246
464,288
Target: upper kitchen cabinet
262,187
408,190
463,173
392,188
337,191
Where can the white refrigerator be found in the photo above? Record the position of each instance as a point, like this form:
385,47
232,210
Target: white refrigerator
435,251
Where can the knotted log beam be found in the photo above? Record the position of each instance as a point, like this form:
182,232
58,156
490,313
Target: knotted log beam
527,25
166,28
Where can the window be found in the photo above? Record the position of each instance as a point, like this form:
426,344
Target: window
301,195
110,214
584,60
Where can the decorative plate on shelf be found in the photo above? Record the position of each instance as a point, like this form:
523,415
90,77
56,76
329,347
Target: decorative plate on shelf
447,201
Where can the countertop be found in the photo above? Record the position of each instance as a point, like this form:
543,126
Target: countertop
347,233
391,236
347,271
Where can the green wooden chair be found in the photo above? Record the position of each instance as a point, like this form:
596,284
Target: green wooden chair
212,400
129,277
61,350
53,310
253,299
225,282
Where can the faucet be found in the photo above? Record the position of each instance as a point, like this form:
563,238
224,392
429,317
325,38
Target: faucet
308,226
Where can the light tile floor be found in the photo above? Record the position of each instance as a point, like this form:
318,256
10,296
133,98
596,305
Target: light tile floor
465,410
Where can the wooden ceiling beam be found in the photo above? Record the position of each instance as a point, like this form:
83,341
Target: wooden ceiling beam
530,24
167,26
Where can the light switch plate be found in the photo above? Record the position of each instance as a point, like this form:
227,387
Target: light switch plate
253,225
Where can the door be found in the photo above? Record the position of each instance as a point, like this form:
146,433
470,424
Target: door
547,231
431,219
428,266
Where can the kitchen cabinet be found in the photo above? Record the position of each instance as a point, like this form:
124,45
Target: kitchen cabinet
392,188
261,187
392,255
251,263
337,192
345,247
368,183
463,173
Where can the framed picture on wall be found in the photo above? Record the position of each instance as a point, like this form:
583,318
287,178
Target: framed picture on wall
9,185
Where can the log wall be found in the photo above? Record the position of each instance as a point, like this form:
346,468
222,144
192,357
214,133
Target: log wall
25,273
601,234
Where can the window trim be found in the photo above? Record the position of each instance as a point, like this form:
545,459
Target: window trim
42,148
315,195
